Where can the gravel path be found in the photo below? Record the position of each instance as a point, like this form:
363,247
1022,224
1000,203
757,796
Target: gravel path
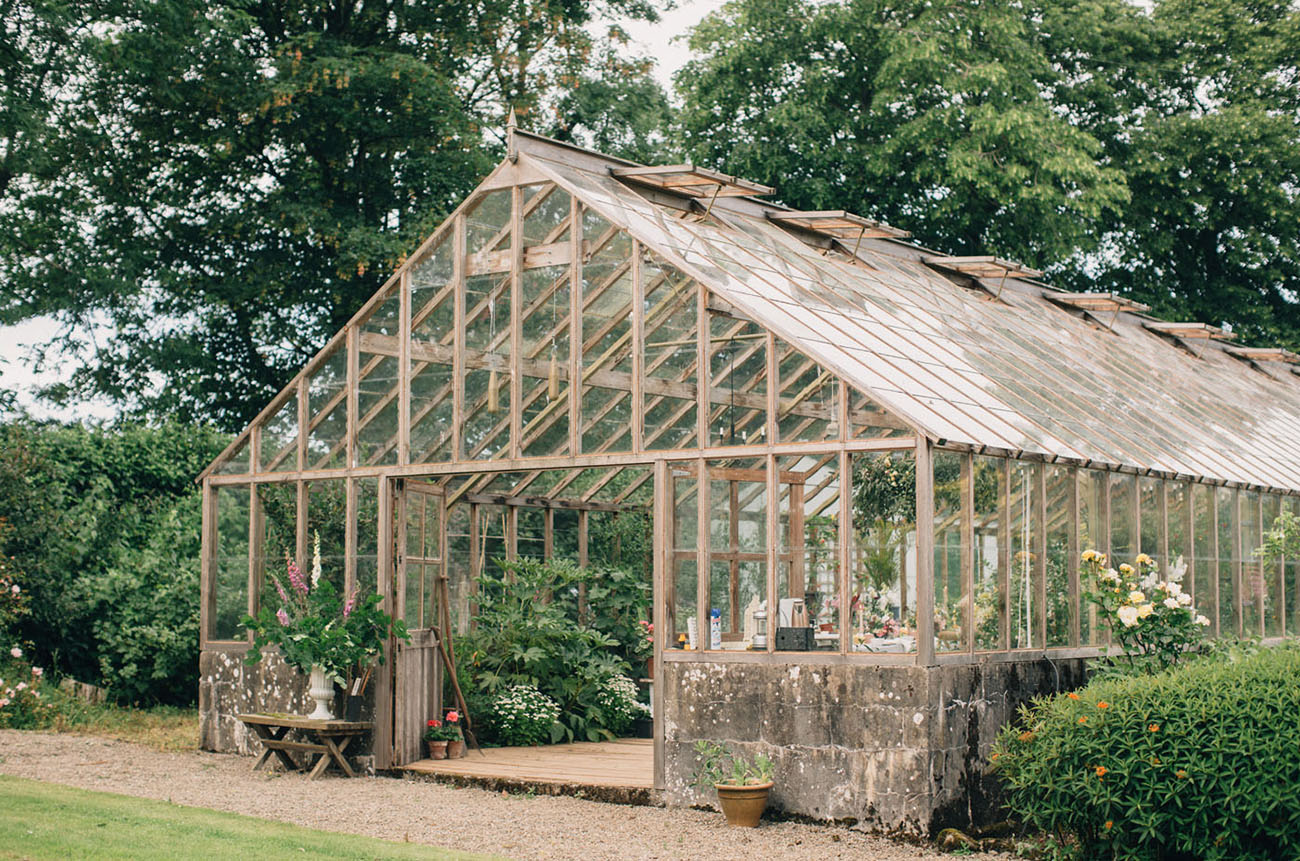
474,820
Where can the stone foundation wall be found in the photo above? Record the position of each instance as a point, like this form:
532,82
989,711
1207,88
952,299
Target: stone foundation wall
228,686
898,749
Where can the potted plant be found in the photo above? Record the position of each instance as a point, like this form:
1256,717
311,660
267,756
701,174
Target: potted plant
438,736
456,739
742,784
320,634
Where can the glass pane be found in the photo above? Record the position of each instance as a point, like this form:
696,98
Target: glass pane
1204,535
327,523
460,580
807,407
486,432
545,348
868,420
546,215
1291,581
367,575
808,546
1123,518
884,551
606,337
1026,609
738,381
1060,562
669,403
433,317
951,478
487,224
237,463
990,550
279,448
327,412
1179,494
277,534
377,387
737,549
1252,576
1227,528
1093,535
1153,524
1272,581
231,572
684,541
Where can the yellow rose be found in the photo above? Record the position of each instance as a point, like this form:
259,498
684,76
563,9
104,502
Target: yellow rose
1145,610
1136,597
1144,559
1126,569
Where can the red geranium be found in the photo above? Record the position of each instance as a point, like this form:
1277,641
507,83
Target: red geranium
434,722
453,716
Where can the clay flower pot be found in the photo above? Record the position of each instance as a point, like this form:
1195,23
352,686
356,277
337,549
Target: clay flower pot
456,748
437,749
743,805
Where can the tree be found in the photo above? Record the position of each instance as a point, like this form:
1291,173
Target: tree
227,183
930,116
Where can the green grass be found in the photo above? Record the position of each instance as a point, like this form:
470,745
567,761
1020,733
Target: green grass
44,820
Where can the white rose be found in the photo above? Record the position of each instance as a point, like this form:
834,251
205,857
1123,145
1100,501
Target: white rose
1136,597
1173,588
1171,603
16,652
1128,615
1184,599
1201,620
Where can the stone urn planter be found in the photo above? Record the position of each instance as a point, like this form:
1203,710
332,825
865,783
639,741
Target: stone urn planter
322,691
743,805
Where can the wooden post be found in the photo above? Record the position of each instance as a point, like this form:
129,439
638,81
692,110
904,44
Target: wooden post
1216,568
845,539
968,550
516,318
1073,552
1040,553
575,326
1238,616
404,369
924,554
638,349
774,539
256,571
702,372
383,745
207,564
1004,554
302,544
702,555
458,342
663,513
548,534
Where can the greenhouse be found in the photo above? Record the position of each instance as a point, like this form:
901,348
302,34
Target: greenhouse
853,477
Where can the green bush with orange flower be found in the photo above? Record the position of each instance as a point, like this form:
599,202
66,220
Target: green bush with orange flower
1198,761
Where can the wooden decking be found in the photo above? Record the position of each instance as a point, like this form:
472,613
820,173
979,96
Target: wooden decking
620,771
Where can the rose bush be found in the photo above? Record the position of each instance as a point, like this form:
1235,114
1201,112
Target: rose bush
1150,619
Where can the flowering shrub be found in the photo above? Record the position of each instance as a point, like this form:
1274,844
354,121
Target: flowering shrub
523,715
1152,620
621,704
1198,761
21,706
313,627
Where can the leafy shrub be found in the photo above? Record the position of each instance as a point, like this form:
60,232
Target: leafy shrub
620,704
523,715
529,631
1199,761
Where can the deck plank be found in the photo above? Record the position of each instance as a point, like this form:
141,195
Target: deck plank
625,763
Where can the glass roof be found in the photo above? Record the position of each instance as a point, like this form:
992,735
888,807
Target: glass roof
1019,374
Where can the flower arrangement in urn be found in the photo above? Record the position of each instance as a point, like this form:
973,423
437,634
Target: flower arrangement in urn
444,737
319,634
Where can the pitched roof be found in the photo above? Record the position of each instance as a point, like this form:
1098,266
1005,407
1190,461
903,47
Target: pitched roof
1023,373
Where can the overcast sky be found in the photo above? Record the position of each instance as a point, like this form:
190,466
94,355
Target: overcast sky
663,41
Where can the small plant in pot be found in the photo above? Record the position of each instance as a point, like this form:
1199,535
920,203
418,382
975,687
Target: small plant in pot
438,735
742,784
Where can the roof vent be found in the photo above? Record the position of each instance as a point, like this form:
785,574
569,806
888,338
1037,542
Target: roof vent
691,180
1265,354
839,224
1096,302
1189,330
985,266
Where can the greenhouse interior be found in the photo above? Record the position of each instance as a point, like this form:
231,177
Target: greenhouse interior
831,488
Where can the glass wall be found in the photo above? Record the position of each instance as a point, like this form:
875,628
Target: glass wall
883,552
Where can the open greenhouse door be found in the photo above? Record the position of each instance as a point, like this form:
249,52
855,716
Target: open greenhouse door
420,528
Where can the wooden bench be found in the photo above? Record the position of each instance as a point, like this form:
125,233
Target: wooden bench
328,738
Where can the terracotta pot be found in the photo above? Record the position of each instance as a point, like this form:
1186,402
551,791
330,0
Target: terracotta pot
456,749
743,805
437,749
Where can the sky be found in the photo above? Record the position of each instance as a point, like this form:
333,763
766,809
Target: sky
665,41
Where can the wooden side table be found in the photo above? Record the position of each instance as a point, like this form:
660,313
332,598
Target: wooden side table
328,738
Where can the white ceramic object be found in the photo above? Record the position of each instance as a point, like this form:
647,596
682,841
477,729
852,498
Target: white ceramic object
322,691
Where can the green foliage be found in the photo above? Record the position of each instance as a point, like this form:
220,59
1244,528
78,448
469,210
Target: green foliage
314,626
1152,620
103,537
1199,761
717,765
529,631
21,699
522,715
224,184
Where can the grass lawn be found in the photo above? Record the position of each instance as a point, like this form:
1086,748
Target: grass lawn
45,820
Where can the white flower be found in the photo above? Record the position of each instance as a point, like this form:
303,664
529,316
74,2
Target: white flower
16,590
37,672
315,560
16,652
1171,603
1173,588
1110,575
1184,599
1136,597
1150,581
4,701
1128,615
1204,622
1177,571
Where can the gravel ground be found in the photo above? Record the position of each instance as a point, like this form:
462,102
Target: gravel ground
475,820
